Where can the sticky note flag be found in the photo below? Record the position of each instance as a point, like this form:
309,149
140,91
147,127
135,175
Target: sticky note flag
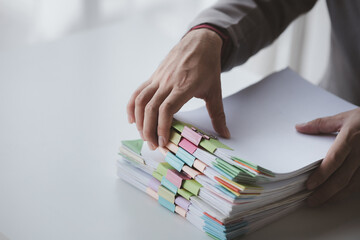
176,177
134,145
166,204
190,171
185,156
187,145
182,202
174,137
169,185
152,193
174,161
199,165
184,193
166,194
163,167
191,135
182,212
192,186
157,175
154,184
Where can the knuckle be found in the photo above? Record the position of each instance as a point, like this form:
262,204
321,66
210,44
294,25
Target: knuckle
140,100
150,108
166,108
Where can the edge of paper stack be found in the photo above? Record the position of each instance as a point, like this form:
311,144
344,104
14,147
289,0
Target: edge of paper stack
223,197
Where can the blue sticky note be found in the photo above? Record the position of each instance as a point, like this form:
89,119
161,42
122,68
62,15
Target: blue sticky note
169,185
166,204
185,156
174,161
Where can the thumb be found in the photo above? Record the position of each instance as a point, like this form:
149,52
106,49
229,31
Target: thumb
321,125
215,109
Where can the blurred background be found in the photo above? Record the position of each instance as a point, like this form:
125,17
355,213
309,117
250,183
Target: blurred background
23,23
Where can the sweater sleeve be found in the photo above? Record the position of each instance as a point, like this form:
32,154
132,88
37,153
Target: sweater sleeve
251,24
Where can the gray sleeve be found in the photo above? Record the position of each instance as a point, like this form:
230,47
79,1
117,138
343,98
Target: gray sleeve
251,24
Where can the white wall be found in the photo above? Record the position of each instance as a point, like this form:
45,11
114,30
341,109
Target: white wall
303,46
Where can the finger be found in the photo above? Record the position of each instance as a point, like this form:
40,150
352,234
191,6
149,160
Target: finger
336,183
321,125
353,187
151,117
214,105
131,104
140,102
334,158
167,109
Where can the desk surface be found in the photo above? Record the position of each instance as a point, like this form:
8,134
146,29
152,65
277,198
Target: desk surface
62,108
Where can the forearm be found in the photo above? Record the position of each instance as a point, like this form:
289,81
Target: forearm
250,24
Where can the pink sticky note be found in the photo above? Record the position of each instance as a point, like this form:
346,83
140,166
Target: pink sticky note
190,135
187,145
176,177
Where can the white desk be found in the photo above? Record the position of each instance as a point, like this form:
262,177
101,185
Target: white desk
62,107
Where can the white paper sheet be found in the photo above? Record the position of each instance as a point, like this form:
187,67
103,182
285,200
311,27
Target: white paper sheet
262,118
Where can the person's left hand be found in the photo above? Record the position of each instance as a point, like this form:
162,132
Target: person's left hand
339,172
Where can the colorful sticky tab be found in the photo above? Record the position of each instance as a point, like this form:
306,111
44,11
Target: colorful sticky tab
176,177
174,161
166,194
134,145
184,193
182,202
152,193
172,147
174,137
199,165
178,125
166,204
166,183
190,135
157,175
192,186
163,167
185,156
190,171
187,145
182,212
154,184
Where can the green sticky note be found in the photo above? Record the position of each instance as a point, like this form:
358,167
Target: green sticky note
175,137
208,145
166,194
184,193
178,125
163,167
157,175
219,144
134,145
192,186
228,166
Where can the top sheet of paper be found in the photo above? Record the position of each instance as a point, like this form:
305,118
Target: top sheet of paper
262,118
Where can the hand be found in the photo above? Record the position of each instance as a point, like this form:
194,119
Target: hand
191,69
339,172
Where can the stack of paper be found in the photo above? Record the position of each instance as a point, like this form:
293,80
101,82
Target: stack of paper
229,187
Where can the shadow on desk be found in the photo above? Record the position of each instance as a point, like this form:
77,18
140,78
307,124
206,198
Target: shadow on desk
339,220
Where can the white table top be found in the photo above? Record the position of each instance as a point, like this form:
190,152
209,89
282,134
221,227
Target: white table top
62,107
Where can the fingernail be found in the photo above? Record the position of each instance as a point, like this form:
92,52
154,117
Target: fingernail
227,133
151,146
161,141
141,135
130,119
311,185
300,124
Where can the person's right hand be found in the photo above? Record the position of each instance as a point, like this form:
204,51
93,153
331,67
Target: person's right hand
191,69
